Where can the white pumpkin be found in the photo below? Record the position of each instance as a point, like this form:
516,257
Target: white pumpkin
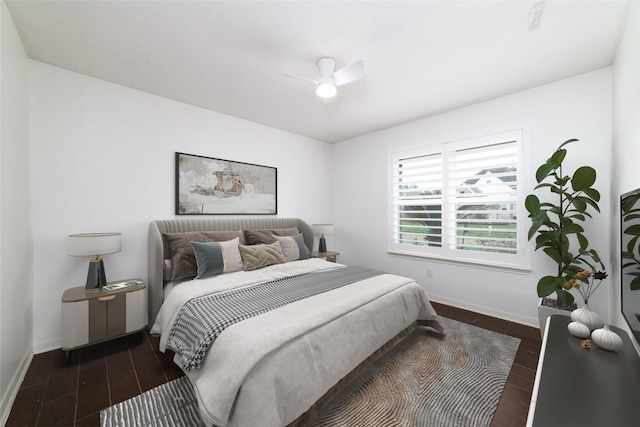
607,339
586,316
578,329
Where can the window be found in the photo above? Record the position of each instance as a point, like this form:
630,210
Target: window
459,201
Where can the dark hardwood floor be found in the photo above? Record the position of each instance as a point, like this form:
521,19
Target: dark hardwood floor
55,393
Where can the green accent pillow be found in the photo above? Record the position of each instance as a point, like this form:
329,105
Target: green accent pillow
293,247
259,256
215,258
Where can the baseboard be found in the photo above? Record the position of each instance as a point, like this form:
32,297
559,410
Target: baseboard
45,346
14,387
504,315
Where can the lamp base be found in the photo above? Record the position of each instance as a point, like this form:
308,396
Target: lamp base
96,277
322,247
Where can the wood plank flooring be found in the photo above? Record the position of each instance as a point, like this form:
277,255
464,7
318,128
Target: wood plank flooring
56,394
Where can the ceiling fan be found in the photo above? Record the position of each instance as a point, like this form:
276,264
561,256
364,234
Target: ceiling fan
329,80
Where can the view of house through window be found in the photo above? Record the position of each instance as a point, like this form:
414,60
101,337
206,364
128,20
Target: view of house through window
458,200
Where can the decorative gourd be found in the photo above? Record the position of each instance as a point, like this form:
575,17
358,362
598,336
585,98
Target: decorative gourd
586,316
607,339
578,329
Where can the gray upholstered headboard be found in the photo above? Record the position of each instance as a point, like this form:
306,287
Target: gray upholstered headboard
158,250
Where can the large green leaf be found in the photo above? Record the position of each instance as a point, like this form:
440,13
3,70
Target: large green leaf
554,210
558,157
633,230
592,193
582,240
635,284
546,286
556,189
572,228
543,185
580,204
567,142
577,215
629,202
553,254
592,203
544,170
532,203
595,256
584,177
630,216
567,257
565,297
534,228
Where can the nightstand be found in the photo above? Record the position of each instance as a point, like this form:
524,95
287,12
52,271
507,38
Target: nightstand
329,256
91,316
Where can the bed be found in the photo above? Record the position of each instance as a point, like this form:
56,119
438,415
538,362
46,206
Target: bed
278,367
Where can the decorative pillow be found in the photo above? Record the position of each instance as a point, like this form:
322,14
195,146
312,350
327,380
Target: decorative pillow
293,247
167,270
258,256
257,237
183,260
215,258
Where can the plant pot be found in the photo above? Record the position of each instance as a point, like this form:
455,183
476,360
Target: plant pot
548,307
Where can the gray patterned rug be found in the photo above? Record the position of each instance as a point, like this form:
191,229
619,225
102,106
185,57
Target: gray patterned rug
454,380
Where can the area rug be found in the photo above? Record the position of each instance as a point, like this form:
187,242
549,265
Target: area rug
427,380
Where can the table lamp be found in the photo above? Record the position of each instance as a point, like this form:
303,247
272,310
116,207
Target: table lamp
321,230
94,245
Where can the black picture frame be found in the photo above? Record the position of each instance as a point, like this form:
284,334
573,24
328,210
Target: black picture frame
212,186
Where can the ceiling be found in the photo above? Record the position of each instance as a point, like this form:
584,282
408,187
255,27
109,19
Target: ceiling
421,57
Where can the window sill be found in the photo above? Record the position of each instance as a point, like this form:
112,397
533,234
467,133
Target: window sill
486,265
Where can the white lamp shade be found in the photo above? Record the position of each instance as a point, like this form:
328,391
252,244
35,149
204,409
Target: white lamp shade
93,244
322,229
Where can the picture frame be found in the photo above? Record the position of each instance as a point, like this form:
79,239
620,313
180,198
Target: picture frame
212,186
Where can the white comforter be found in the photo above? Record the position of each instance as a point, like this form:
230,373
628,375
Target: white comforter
268,370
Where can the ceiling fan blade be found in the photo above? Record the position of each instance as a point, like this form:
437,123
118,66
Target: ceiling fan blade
349,73
303,78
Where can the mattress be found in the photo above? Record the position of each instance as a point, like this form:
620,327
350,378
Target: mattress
271,368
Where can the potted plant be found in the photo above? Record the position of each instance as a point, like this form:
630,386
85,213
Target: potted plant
559,232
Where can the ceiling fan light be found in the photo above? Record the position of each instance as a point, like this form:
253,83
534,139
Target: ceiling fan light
326,90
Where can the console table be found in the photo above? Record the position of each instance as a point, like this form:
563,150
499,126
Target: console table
578,387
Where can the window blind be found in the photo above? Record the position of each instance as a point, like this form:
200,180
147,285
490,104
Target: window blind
459,200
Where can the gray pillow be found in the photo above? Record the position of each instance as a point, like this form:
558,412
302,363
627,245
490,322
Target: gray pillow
259,256
257,237
183,259
293,247
215,258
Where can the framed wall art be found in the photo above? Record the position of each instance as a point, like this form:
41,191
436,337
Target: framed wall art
209,186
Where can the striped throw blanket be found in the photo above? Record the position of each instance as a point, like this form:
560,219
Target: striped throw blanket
203,319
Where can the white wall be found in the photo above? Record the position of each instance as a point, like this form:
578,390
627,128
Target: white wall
579,107
626,133
102,159
15,244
